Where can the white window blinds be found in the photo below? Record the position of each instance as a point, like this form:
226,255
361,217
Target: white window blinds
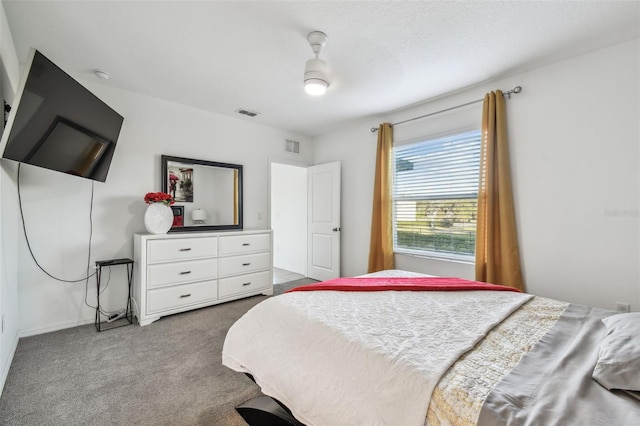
435,195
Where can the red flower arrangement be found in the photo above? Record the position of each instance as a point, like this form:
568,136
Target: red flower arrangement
158,197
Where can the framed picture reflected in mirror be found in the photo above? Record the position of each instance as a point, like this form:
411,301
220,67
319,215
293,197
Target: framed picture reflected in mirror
178,215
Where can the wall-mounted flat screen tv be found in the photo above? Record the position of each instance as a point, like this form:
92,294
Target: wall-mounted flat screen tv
58,124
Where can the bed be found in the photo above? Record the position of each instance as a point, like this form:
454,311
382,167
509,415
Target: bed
469,357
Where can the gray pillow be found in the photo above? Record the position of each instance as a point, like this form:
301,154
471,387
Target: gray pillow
618,365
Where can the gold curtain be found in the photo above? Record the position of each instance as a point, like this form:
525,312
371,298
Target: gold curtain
497,257
381,247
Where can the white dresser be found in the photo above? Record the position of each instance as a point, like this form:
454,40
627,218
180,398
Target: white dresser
182,271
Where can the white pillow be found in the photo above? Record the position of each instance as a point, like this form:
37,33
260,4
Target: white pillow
618,365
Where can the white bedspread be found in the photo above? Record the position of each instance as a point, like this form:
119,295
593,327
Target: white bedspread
360,358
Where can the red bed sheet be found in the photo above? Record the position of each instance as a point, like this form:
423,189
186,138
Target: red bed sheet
401,284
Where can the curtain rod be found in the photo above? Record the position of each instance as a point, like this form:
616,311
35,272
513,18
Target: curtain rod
508,93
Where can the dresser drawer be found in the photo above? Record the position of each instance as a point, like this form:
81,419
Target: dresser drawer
239,244
242,264
162,274
181,249
163,299
244,283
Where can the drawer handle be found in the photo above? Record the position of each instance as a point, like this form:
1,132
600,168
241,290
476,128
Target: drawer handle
249,283
185,272
186,249
246,244
182,296
246,264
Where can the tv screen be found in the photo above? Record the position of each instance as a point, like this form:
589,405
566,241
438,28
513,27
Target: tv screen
58,124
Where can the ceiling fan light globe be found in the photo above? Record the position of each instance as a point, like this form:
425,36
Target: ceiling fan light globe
315,87
316,78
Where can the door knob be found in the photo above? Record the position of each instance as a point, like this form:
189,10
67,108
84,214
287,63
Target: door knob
336,229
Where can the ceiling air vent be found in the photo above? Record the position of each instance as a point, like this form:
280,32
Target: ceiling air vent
292,146
247,112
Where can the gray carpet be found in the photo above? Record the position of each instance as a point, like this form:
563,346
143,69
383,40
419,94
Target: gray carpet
281,288
167,373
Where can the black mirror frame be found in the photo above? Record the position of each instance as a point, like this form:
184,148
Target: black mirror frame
164,166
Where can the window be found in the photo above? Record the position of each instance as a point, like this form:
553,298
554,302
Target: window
435,196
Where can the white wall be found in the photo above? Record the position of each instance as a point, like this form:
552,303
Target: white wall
217,198
222,208
289,217
57,206
8,217
574,138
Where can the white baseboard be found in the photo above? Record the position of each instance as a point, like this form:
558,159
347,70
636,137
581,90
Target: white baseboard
292,268
53,327
5,368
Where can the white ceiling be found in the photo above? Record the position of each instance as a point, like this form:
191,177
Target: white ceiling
382,55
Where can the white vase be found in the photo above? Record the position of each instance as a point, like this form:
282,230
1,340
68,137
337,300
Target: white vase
158,218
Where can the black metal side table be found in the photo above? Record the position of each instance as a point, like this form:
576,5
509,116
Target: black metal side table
129,309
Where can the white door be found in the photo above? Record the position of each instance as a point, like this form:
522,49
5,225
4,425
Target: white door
323,237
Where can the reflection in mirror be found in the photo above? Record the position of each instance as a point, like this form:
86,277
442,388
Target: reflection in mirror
207,194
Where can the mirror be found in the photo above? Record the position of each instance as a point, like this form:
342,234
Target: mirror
207,194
